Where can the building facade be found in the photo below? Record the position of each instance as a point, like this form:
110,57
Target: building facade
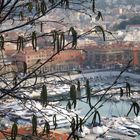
64,61
112,56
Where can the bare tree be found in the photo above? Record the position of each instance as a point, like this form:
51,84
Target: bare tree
58,21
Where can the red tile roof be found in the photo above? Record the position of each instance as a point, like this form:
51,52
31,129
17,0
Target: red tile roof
28,131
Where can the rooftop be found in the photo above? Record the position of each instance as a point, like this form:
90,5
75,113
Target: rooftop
27,131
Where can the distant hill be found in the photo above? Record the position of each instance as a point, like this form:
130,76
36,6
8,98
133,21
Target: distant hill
134,20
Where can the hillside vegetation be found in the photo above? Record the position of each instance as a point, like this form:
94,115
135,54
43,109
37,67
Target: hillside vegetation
132,21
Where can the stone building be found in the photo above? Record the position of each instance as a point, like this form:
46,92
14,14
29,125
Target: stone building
112,56
64,61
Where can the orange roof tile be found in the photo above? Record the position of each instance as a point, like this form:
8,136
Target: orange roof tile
28,131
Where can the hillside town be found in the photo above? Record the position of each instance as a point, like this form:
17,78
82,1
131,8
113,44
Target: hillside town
110,60
119,47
